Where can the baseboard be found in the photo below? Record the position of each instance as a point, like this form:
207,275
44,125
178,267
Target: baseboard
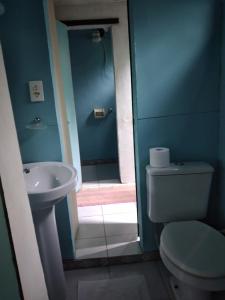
98,162
109,261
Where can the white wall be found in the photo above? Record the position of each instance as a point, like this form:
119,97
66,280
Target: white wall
122,74
16,199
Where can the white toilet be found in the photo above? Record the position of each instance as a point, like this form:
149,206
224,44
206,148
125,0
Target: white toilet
192,251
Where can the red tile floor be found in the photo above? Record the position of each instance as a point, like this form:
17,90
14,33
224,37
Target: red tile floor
105,193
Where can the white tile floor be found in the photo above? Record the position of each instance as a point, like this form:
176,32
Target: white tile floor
107,230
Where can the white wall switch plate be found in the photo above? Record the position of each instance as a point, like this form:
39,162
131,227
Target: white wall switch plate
36,91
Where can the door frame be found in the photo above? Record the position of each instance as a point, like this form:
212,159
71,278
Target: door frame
122,70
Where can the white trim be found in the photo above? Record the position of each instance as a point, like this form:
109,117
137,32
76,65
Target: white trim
16,199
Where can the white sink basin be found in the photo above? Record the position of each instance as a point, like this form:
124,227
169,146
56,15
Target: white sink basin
48,182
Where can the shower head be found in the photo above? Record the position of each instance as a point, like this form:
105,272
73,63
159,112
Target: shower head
98,35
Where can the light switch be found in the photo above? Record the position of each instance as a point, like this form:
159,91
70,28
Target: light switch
36,91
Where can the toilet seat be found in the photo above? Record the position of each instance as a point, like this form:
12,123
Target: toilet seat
195,253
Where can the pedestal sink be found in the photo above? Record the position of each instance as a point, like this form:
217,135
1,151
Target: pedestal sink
48,183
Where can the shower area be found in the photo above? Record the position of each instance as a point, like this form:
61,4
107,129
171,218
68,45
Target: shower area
94,90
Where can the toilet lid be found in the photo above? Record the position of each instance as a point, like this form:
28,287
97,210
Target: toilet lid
195,248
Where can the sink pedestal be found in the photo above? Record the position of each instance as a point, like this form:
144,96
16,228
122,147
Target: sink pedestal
48,183
48,243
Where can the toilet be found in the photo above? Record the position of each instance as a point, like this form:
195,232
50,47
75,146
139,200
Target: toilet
193,252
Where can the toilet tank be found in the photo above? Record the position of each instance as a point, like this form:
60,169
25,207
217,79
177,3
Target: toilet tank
179,192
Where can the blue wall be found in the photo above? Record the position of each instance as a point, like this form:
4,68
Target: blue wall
93,78
25,49
175,48
8,279
221,200
26,57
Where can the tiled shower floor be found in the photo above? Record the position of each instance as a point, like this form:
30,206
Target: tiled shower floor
100,172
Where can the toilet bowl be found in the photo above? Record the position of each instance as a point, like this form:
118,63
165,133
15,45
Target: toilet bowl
195,254
192,251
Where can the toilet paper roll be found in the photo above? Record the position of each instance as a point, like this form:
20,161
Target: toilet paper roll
159,157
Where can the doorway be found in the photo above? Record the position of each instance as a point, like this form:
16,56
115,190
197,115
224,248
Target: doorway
107,209
95,102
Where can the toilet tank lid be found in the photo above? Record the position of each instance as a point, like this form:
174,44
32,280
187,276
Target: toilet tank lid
181,169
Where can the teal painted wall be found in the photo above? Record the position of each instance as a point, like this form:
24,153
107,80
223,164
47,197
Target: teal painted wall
63,40
9,288
26,58
25,49
175,47
93,79
221,197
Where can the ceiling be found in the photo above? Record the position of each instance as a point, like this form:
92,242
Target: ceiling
78,2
